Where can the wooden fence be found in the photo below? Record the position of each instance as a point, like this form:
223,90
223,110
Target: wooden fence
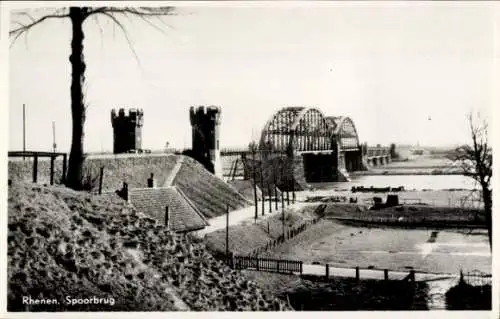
267,264
286,266
476,278
36,156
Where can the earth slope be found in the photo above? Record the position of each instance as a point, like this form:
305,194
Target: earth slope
62,242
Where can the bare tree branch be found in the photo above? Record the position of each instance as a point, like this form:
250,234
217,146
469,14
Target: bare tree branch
26,27
125,34
144,13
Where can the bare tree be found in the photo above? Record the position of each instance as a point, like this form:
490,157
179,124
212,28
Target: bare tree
476,162
78,16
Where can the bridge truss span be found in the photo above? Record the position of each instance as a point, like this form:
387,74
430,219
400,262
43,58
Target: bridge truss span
297,129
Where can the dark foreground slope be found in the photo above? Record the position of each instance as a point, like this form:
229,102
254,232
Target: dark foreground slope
64,243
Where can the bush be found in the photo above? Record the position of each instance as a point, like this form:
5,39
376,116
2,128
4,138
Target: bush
467,297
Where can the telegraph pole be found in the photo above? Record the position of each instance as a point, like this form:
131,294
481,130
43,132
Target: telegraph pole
262,186
227,231
254,185
283,214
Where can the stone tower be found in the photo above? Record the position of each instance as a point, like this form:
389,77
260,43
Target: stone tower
127,130
205,123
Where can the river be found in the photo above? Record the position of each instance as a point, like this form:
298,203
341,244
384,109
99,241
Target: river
417,182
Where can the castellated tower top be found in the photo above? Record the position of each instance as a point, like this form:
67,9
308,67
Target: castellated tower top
134,116
201,114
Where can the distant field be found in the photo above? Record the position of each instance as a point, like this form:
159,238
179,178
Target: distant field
421,161
397,249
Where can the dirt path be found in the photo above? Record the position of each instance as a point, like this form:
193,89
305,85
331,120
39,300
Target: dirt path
244,215
173,173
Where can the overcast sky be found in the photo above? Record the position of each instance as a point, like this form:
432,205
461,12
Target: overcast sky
404,73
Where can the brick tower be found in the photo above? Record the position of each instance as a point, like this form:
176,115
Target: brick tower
127,130
205,123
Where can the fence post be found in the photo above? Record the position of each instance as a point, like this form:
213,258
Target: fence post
301,262
101,174
277,266
257,262
327,268
35,168
125,191
254,185
282,200
386,274
288,192
357,273
52,170
151,181
275,195
167,217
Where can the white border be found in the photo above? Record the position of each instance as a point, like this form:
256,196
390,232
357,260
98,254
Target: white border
5,7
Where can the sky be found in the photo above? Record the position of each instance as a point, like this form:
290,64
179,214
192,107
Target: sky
405,73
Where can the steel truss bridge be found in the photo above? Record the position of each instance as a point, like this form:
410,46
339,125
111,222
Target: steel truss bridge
299,130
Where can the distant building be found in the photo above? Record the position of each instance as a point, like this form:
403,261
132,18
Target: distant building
127,130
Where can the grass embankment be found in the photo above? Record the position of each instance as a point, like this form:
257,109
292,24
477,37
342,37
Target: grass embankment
245,188
133,169
65,243
210,194
244,238
309,293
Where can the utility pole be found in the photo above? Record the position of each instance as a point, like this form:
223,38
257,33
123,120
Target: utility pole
262,186
227,231
275,193
54,145
283,215
254,185
24,130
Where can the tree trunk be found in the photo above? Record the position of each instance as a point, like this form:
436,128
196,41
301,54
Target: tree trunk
74,177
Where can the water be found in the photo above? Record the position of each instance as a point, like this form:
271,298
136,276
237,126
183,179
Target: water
417,182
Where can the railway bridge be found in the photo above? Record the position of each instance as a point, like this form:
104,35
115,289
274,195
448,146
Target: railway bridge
300,145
